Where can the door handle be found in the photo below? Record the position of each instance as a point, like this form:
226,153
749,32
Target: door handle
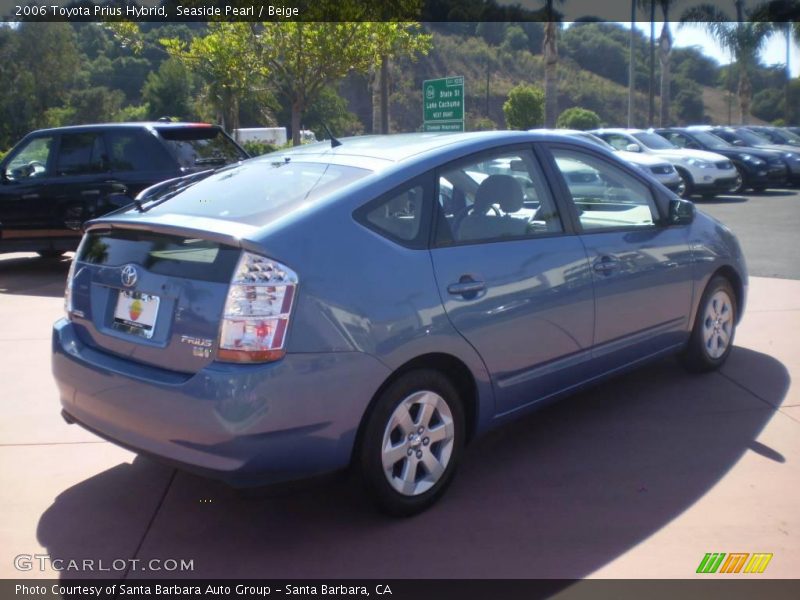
30,196
90,193
606,264
466,287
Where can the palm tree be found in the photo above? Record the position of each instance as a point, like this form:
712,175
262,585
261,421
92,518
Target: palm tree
550,52
743,38
664,51
781,13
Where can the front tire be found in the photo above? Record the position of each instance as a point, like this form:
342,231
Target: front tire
687,183
714,328
413,440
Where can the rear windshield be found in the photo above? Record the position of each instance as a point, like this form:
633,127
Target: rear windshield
654,141
200,146
176,256
257,192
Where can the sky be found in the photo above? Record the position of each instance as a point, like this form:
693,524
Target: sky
774,52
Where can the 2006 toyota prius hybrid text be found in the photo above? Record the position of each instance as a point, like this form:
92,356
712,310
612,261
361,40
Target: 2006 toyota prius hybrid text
379,303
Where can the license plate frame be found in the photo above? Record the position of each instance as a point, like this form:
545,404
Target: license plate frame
136,313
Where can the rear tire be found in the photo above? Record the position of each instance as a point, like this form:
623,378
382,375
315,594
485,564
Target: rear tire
413,441
711,340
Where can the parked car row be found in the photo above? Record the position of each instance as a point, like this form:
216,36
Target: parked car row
715,159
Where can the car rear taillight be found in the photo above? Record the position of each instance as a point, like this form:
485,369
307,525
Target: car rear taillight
68,289
257,310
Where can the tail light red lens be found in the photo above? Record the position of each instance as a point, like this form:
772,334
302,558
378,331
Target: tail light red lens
257,311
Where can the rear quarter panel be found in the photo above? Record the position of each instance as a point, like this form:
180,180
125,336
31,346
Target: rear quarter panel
359,291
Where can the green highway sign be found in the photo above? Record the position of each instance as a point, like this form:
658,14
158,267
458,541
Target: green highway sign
443,104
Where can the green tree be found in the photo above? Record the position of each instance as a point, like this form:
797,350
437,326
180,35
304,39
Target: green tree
168,90
524,108
227,62
578,118
688,102
305,57
515,39
599,48
95,105
768,104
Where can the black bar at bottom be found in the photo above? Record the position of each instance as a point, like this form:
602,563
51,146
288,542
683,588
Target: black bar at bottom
711,588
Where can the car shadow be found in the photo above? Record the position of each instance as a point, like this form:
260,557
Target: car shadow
29,275
774,192
720,200
557,494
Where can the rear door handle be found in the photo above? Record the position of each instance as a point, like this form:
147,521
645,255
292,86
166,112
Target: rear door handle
469,288
606,264
30,196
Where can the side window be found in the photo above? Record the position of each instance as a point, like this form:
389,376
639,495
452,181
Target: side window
677,139
605,196
495,197
81,154
32,160
399,216
619,142
134,151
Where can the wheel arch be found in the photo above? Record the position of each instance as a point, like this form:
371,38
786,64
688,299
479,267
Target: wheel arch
448,365
737,284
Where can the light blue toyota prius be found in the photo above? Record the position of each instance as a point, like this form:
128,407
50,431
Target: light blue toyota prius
378,302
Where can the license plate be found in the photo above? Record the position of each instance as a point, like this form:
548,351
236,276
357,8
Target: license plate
136,313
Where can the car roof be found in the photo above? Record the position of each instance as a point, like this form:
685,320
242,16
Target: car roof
381,151
123,125
617,130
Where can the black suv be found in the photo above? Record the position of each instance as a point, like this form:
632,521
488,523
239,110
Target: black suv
758,167
56,179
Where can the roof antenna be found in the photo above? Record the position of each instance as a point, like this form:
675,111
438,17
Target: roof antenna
334,141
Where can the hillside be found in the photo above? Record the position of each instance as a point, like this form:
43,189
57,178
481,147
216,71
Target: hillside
715,101
491,70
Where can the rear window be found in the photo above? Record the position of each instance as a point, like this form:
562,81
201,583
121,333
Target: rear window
258,192
134,150
200,146
175,256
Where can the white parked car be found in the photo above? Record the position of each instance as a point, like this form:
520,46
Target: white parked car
704,173
661,169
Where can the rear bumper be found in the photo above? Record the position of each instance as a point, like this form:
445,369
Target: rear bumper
244,424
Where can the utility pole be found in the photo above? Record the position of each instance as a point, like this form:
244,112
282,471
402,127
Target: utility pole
652,91
630,65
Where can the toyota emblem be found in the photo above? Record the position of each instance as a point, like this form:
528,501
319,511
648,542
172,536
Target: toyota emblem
129,275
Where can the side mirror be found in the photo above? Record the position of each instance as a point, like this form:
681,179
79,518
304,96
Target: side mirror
693,145
681,212
633,148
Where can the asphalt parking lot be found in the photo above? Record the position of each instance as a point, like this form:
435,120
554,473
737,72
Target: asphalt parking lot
637,478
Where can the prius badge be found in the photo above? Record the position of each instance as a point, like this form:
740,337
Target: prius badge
129,275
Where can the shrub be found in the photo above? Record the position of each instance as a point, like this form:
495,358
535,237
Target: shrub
578,118
255,148
524,108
